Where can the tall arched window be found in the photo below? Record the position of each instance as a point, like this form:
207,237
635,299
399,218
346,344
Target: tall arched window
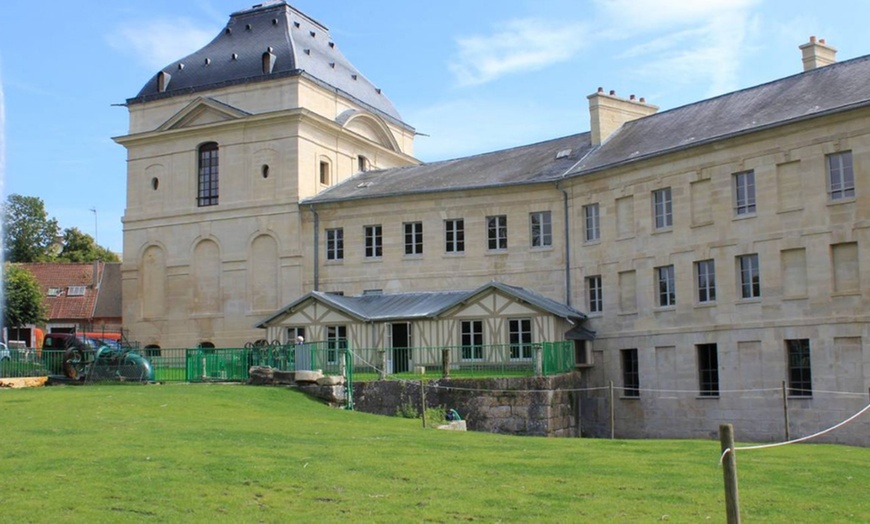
207,193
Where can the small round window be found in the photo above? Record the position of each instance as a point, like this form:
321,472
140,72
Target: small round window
265,170
155,183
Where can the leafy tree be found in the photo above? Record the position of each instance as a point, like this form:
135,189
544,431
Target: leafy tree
81,247
23,296
29,235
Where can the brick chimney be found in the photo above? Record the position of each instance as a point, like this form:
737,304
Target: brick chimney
608,112
817,54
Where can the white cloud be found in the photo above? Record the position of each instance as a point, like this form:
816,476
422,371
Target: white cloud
159,42
653,15
517,46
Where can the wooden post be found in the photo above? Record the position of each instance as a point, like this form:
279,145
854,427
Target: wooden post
729,472
612,413
785,409
445,363
539,360
383,371
423,400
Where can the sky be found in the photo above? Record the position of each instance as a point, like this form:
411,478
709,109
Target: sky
470,77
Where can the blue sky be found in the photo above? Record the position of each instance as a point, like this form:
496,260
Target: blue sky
474,76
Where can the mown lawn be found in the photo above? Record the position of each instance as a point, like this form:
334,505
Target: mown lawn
197,453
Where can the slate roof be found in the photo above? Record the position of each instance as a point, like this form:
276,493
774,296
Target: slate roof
108,303
826,90
428,304
301,46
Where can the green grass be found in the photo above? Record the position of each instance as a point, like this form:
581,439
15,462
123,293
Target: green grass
198,453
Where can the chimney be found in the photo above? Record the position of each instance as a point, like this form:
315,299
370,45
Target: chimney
608,112
817,54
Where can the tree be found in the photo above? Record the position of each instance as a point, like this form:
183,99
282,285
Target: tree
81,247
24,304
29,235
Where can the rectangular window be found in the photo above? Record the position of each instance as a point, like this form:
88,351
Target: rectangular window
750,277
800,378
841,179
630,373
413,238
294,334
324,173
594,294
705,270
663,211
472,339
374,241
744,193
541,225
335,244
708,370
520,336
336,340
207,194
592,231
75,291
496,232
667,294
454,235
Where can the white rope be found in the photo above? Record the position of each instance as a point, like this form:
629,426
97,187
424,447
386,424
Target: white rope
808,437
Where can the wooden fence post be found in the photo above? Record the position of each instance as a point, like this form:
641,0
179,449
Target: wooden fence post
445,363
729,472
785,409
539,360
382,373
423,400
612,413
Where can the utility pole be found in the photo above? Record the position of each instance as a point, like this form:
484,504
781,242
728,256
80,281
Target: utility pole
96,230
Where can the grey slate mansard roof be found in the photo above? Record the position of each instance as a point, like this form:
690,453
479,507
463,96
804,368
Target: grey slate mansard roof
301,45
427,304
826,90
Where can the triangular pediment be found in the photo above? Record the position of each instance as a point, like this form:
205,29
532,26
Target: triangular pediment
203,111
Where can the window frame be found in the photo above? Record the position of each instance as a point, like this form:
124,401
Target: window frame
334,244
630,373
471,340
208,174
541,229
413,235
591,222
744,193
705,281
667,294
663,209
496,233
336,339
749,276
520,338
454,236
373,241
840,176
708,369
594,294
799,364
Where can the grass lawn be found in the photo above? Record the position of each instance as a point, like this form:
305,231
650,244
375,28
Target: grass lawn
198,453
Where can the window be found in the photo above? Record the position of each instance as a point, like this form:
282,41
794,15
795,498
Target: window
800,379
336,339
496,232
335,244
590,217
706,273
541,226
454,235
207,194
374,241
324,173
413,238
841,179
54,291
520,336
75,291
294,333
667,295
630,373
750,279
594,294
744,193
708,370
472,339
663,208
362,163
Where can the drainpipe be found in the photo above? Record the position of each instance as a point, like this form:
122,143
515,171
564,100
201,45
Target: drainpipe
316,247
567,245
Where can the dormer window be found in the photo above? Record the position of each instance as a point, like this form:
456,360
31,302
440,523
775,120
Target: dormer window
163,79
362,164
268,62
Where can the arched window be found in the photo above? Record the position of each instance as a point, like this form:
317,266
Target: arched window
207,193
